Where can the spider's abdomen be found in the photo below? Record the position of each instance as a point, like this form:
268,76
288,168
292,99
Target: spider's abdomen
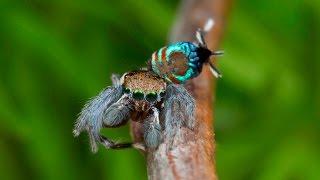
178,62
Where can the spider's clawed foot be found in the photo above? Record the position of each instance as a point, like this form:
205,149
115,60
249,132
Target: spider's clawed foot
107,143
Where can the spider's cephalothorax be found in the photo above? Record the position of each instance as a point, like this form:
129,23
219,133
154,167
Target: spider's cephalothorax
181,61
144,88
142,95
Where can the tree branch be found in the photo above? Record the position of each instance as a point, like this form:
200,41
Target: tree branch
190,155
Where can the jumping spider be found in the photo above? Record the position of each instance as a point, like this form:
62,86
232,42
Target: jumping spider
143,97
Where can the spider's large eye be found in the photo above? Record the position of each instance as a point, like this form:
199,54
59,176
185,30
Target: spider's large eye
162,94
151,97
138,95
126,90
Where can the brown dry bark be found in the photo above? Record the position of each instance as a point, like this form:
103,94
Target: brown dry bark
190,155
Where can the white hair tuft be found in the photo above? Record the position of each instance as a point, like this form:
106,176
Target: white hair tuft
209,24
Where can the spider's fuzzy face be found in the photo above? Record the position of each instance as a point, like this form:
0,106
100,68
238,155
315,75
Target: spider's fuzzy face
141,94
144,89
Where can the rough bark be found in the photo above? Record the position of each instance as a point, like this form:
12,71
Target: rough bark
190,155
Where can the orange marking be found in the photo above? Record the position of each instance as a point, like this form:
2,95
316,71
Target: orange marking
156,56
173,79
163,54
178,63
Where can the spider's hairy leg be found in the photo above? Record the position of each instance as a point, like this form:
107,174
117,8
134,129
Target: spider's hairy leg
201,32
200,38
91,116
179,108
118,113
115,78
152,129
173,116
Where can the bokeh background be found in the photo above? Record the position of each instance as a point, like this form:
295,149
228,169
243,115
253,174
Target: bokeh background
56,54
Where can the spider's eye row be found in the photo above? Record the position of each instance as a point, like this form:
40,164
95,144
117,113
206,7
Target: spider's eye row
138,95
126,90
151,97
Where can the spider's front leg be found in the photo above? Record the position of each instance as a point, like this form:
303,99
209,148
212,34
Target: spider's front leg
116,115
108,109
152,129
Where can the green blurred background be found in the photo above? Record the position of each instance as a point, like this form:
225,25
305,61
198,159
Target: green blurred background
56,54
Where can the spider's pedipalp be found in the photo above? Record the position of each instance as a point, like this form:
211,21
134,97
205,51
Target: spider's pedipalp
152,129
118,113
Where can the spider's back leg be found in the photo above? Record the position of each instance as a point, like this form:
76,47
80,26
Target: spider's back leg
179,108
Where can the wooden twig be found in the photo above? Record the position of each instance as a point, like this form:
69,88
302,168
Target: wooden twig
190,155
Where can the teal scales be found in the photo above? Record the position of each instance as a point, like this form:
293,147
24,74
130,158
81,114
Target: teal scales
189,58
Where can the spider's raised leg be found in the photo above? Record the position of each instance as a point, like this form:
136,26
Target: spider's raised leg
92,115
116,115
200,38
152,129
178,110
201,32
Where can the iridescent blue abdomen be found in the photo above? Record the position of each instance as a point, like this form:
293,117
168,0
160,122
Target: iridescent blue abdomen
179,62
